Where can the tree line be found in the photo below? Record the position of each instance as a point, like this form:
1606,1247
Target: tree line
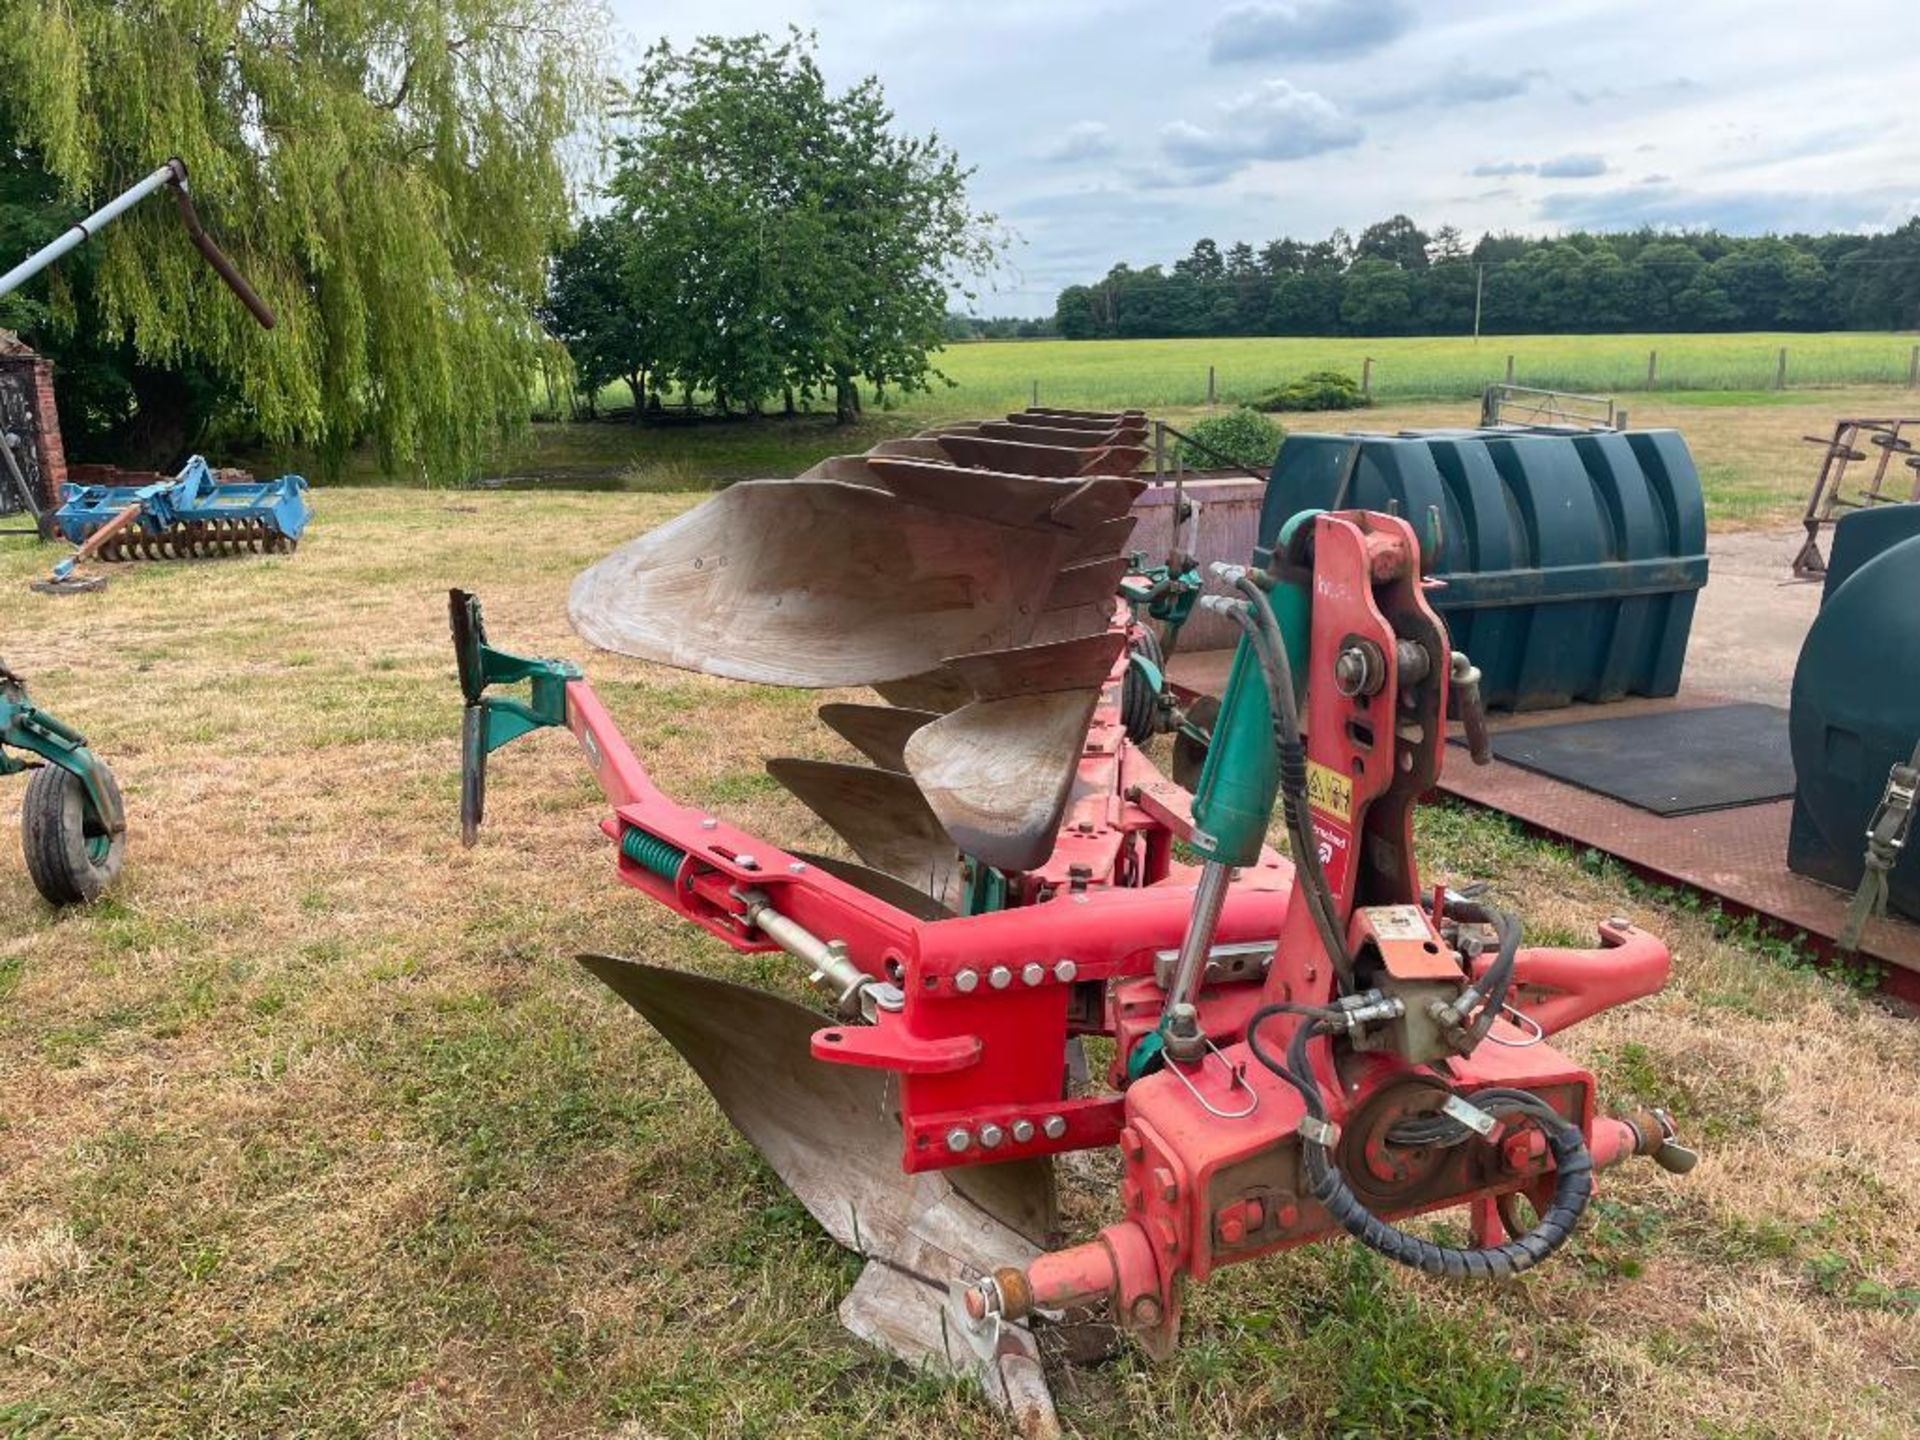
1396,279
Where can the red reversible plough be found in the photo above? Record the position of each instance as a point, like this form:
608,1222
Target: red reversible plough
1294,1050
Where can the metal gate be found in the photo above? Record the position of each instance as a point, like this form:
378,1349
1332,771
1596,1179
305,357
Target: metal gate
22,486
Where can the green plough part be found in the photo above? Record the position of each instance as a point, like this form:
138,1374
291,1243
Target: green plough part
490,721
26,727
1162,593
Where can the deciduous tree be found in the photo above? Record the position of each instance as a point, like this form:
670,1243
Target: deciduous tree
598,308
799,242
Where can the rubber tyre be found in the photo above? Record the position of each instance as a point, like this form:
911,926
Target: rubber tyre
1139,705
68,853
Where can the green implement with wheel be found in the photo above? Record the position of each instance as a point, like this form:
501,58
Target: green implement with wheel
73,824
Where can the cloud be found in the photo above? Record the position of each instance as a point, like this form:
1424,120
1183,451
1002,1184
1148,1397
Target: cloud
1087,140
1449,90
1572,167
1738,212
1307,30
1677,87
1751,151
1272,122
1561,167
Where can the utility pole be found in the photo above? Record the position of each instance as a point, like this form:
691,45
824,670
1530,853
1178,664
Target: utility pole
1479,278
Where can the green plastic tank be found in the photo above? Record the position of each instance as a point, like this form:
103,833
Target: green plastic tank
1571,559
1856,701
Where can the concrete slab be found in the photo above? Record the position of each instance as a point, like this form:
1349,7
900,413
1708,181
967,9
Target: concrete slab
1753,616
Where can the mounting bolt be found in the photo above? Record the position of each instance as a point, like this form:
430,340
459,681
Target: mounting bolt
958,1139
1130,1144
1065,970
796,867
1053,1127
1000,977
1033,972
746,862
965,981
709,823
991,1136
1146,1311
1165,1183
1022,1131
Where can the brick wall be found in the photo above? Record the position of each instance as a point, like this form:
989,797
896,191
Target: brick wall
35,375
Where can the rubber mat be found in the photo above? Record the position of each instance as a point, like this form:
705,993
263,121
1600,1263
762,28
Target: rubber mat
1676,762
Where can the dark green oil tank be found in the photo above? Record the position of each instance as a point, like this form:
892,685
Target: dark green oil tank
1856,700
1571,559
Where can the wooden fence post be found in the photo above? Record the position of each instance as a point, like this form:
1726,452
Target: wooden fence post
1653,367
1366,374
1036,394
1509,369
1913,369
1780,371
1210,390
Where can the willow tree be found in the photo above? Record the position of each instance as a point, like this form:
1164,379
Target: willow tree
390,174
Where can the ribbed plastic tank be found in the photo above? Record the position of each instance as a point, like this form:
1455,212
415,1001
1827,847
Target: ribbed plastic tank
1571,559
1856,701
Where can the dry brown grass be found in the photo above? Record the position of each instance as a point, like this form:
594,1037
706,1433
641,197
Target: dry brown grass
315,1128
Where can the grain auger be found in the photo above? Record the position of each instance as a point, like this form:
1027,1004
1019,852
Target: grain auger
1299,1049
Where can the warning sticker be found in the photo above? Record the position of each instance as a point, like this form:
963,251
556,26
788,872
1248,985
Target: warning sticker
1329,792
1335,845
1397,922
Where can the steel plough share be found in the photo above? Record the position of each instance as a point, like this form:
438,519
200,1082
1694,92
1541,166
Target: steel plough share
1300,1051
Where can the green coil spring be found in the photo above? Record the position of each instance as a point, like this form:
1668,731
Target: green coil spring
650,852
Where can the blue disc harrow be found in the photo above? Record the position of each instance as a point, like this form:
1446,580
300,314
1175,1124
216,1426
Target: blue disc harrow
191,516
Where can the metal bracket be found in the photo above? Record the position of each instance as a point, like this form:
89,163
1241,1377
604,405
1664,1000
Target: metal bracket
1323,1133
492,721
1244,960
25,726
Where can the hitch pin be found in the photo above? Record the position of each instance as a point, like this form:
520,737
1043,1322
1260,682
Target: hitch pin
855,993
1236,1080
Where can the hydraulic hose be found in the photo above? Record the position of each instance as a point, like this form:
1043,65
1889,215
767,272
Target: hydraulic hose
1573,1165
1573,1170
1498,980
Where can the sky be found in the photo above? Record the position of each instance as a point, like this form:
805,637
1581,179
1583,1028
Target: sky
1123,130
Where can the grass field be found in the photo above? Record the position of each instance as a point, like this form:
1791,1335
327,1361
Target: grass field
1755,467
996,375
314,1128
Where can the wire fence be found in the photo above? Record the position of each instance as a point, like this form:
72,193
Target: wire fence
1114,373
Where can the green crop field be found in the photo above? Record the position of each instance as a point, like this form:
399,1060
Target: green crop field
994,375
